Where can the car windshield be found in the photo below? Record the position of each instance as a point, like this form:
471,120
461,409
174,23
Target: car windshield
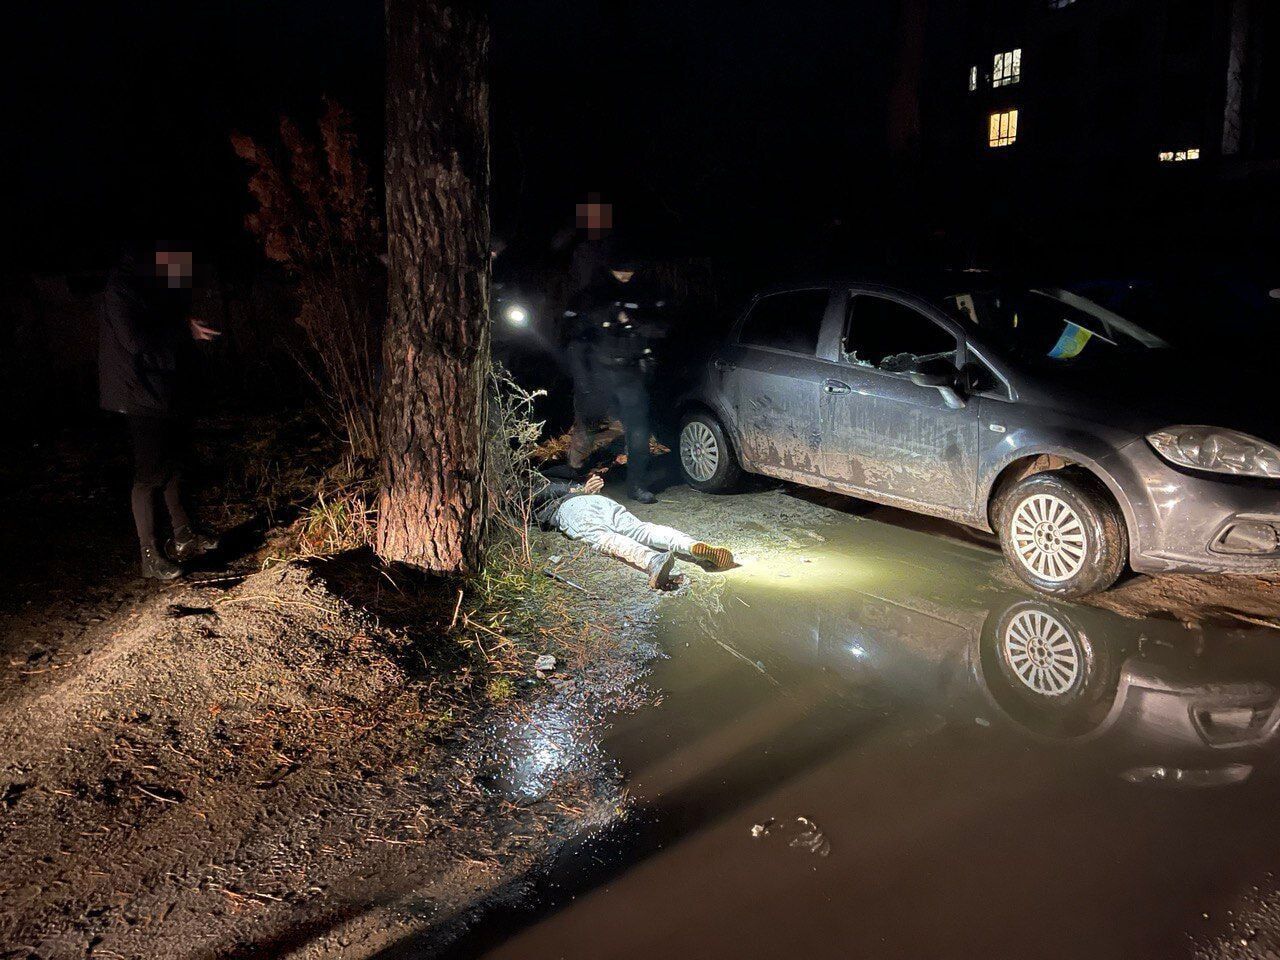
1050,324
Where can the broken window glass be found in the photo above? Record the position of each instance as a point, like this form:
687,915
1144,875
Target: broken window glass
892,336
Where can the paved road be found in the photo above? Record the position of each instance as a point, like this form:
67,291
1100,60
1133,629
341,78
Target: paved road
983,774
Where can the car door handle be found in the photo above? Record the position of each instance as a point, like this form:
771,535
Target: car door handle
836,386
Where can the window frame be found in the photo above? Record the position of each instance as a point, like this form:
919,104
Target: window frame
919,306
1006,68
976,355
1009,139
740,326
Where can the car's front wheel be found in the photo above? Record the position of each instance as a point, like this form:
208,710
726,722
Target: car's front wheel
1062,533
707,460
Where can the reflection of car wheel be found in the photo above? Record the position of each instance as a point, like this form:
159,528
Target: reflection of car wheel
707,460
1062,533
1045,671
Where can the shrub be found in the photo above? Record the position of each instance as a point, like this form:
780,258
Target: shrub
315,217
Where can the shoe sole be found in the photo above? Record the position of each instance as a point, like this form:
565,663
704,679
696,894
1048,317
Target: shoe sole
720,556
660,577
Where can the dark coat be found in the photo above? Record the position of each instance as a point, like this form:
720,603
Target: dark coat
622,321
140,333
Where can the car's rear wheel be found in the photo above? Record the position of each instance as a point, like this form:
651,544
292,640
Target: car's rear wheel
1062,533
707,460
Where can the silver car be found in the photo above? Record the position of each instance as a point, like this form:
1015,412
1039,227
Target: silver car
1078,437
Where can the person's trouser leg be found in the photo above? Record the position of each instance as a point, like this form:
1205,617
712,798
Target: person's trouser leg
591,519
653,535
633,407
150,474
157,459
586,403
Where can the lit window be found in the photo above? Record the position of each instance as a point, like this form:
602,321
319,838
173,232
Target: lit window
1004,129
973,79
1006,68
1179,156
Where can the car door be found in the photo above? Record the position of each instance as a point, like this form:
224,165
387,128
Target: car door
772,377
884,434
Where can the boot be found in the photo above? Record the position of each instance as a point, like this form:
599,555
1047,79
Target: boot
660,570
188,543
720,557
156,566
641,495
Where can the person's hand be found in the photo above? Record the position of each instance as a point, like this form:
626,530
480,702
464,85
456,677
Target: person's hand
202,331
594,484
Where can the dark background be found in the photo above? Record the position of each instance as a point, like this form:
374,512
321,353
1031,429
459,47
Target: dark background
754,139
704,121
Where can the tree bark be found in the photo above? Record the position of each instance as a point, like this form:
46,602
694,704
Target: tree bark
436,350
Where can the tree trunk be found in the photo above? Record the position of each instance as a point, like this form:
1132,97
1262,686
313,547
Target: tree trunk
436,351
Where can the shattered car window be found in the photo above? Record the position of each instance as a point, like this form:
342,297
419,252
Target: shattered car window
891,336
1050,323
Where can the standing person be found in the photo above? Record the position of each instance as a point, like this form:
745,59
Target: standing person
624,315
591,252
141,329
581,512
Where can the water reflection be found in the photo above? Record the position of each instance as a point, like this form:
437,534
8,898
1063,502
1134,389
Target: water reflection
1159,703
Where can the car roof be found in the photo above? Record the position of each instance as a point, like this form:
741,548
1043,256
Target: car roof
926,285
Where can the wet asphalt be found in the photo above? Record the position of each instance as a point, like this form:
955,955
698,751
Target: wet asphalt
981,772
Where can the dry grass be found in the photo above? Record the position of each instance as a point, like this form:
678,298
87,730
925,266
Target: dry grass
511,611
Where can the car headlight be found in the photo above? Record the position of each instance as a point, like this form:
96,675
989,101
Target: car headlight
1217,450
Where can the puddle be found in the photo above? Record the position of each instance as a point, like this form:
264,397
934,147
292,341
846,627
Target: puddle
994,774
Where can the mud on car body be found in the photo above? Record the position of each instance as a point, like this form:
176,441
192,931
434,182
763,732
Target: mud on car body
1081,439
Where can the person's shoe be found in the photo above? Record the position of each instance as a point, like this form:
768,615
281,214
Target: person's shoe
190,543
720,556
660,570
156,566
641,495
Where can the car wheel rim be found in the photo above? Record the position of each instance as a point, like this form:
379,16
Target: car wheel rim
699,452
1041,653
1048,537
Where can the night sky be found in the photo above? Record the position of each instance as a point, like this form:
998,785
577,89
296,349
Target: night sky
709,123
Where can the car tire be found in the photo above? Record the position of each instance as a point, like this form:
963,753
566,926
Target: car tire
1062,533
707,459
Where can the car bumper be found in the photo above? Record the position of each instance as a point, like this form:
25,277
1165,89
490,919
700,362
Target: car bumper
1180,718
1180,521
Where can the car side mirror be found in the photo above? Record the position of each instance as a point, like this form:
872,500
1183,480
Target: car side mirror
930,378
942,376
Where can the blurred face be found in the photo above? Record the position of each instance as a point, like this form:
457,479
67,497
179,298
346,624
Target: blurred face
595,217
174,267
623,276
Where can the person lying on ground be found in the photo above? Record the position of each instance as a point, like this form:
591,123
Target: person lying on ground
581,512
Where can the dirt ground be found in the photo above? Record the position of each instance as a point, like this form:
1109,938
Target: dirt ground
300,760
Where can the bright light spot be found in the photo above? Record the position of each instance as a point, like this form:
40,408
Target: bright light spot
517,315
1004,129
1179,156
